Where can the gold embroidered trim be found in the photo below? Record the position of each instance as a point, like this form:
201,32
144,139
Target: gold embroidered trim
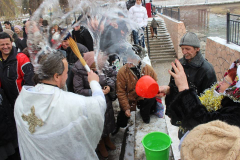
32,120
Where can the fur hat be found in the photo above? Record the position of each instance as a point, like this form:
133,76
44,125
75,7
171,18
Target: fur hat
9,32
190,39
89,58
212,141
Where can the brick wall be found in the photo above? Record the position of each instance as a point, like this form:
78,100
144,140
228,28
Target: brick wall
221,55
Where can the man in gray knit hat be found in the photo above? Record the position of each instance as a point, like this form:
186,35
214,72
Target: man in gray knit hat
200,73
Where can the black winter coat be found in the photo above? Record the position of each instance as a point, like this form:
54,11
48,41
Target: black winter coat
10,74
188,109
8,131
81,86
71,57
200,76
83,37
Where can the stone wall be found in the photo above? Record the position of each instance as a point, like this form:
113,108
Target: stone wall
176,30
221,55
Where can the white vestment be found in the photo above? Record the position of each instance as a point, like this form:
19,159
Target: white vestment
73,124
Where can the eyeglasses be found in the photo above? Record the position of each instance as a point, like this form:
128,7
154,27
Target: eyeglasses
225,81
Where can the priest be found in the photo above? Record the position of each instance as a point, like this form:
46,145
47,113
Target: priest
55,124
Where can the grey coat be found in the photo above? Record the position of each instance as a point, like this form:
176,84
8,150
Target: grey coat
81,86
154,23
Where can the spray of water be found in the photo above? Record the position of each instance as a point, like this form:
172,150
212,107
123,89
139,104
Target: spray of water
107,22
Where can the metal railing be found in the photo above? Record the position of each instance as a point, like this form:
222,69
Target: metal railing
233,32
173,12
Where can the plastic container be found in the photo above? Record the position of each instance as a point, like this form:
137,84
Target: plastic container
156,145
147,87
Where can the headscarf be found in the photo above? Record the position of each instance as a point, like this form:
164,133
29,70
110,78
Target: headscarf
233,90
19,27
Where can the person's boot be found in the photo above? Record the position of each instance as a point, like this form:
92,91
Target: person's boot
102,149
109,143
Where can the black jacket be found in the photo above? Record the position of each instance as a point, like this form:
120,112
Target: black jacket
21,44
8,131
83,37
71,57
188,109
200,75
15,72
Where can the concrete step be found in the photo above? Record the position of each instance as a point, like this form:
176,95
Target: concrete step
162,35
154,39
160,60
166,51
160,48
159,52
162,56
159,27
159,32
159,43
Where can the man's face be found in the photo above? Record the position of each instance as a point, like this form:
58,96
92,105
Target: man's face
5,46
7,26
63,77
138,2
189,52
65,44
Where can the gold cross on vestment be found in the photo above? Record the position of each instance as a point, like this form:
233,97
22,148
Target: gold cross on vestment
32,120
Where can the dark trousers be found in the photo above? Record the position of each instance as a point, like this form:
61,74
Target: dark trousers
155,30
146,106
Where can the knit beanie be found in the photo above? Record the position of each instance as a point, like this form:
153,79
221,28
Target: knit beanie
215,140
190,39
19,27
9,32
89,58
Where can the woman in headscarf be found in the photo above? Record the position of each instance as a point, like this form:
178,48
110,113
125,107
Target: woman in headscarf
220,102
107,80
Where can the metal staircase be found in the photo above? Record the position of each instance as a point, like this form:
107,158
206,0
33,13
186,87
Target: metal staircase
161,48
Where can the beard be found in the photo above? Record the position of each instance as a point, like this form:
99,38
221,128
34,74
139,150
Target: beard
64,87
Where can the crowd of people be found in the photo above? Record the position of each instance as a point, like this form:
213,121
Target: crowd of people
58,110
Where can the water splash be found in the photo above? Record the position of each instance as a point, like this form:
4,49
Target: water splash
107,22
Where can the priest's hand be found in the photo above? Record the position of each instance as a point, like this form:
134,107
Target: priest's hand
92,76
179,76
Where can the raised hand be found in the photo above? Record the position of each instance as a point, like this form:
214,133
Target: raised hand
179,76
